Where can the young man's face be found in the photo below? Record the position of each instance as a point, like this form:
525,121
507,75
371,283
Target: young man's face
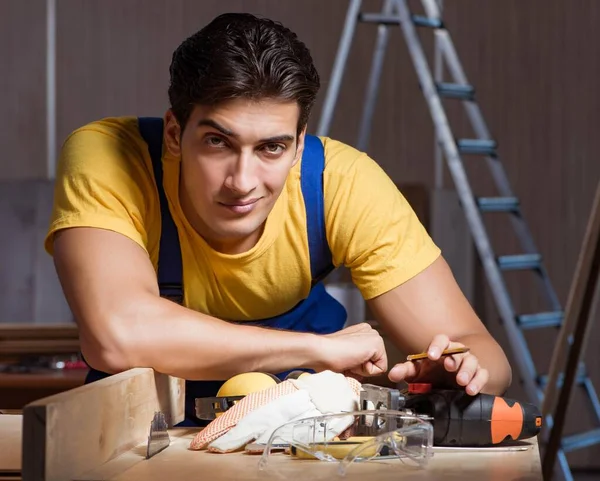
235,158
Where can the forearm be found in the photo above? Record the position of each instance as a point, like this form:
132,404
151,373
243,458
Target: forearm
157,333
491,357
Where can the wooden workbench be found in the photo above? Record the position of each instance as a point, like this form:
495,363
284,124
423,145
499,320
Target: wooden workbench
99,432
178,463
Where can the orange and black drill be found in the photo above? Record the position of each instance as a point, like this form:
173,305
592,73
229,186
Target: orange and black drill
459,419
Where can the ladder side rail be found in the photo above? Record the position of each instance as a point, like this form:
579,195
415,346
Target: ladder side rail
503,302
339,67
583,277
374,79
498,172
438,72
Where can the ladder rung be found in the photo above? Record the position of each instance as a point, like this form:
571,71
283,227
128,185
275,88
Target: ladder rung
383,19
581,440
456,91
421,21
476,146
498,204
541,319
379,18
520,261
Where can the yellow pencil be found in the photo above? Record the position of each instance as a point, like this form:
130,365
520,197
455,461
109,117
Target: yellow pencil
447,352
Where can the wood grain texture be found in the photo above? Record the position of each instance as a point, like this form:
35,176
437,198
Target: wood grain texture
72,432
178,463
10,445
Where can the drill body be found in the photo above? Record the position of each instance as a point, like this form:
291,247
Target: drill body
460,419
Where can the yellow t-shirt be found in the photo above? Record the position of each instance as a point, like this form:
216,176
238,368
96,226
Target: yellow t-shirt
105,180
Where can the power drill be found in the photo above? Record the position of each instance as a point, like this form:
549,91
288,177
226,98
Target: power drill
459,419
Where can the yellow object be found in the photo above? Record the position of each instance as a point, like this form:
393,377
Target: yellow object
297,374
105,180
246,383
337,449
446,352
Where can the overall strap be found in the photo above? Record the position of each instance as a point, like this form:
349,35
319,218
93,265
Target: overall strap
311,181
170,276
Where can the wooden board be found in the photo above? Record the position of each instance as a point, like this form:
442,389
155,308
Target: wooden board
75,431
178,463
10,446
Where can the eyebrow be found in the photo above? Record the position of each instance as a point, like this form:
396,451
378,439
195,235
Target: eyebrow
230,133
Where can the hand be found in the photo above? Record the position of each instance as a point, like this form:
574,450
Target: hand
355,351
435,370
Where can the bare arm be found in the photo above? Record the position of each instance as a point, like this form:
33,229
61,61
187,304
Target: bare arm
430,310
110,285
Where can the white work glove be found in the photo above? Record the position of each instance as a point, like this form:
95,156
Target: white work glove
323,393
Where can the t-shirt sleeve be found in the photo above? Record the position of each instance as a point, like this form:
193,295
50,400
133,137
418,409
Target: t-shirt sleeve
103,181
371,227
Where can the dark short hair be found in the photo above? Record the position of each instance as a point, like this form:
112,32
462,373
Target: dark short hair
239,55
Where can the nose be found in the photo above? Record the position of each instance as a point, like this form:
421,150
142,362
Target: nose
242,177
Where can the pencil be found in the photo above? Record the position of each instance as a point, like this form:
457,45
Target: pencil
447,352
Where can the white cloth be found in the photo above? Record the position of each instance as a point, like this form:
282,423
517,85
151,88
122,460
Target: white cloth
318,394
329,391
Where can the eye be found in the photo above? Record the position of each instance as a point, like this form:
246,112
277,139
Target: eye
214,141
274,148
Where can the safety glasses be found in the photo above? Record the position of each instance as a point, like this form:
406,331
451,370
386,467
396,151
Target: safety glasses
396,438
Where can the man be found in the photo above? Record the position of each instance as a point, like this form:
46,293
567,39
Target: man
235,191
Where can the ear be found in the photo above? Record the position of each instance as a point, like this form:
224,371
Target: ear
299,146
172,134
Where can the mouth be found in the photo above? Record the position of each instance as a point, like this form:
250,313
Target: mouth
240,206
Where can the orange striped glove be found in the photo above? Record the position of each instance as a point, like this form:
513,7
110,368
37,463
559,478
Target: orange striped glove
258,414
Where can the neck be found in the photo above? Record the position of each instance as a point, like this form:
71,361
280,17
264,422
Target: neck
235,246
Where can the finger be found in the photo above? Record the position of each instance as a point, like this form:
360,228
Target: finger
405,370
439,343
371,369
451,364
375,366
478,382
467,369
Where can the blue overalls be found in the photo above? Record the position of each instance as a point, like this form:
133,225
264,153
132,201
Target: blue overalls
319,313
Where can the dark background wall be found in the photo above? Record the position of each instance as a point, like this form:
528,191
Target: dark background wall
534,64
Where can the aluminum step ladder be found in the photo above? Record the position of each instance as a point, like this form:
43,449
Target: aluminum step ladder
397,13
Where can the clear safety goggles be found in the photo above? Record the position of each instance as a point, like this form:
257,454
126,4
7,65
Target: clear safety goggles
359,438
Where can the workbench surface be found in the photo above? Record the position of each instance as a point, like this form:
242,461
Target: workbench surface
178,463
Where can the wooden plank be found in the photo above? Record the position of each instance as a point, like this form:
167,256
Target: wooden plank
17,389
10,445
58,346
573,336
127,460
47,331
178,463
580,288
76,431
19,339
